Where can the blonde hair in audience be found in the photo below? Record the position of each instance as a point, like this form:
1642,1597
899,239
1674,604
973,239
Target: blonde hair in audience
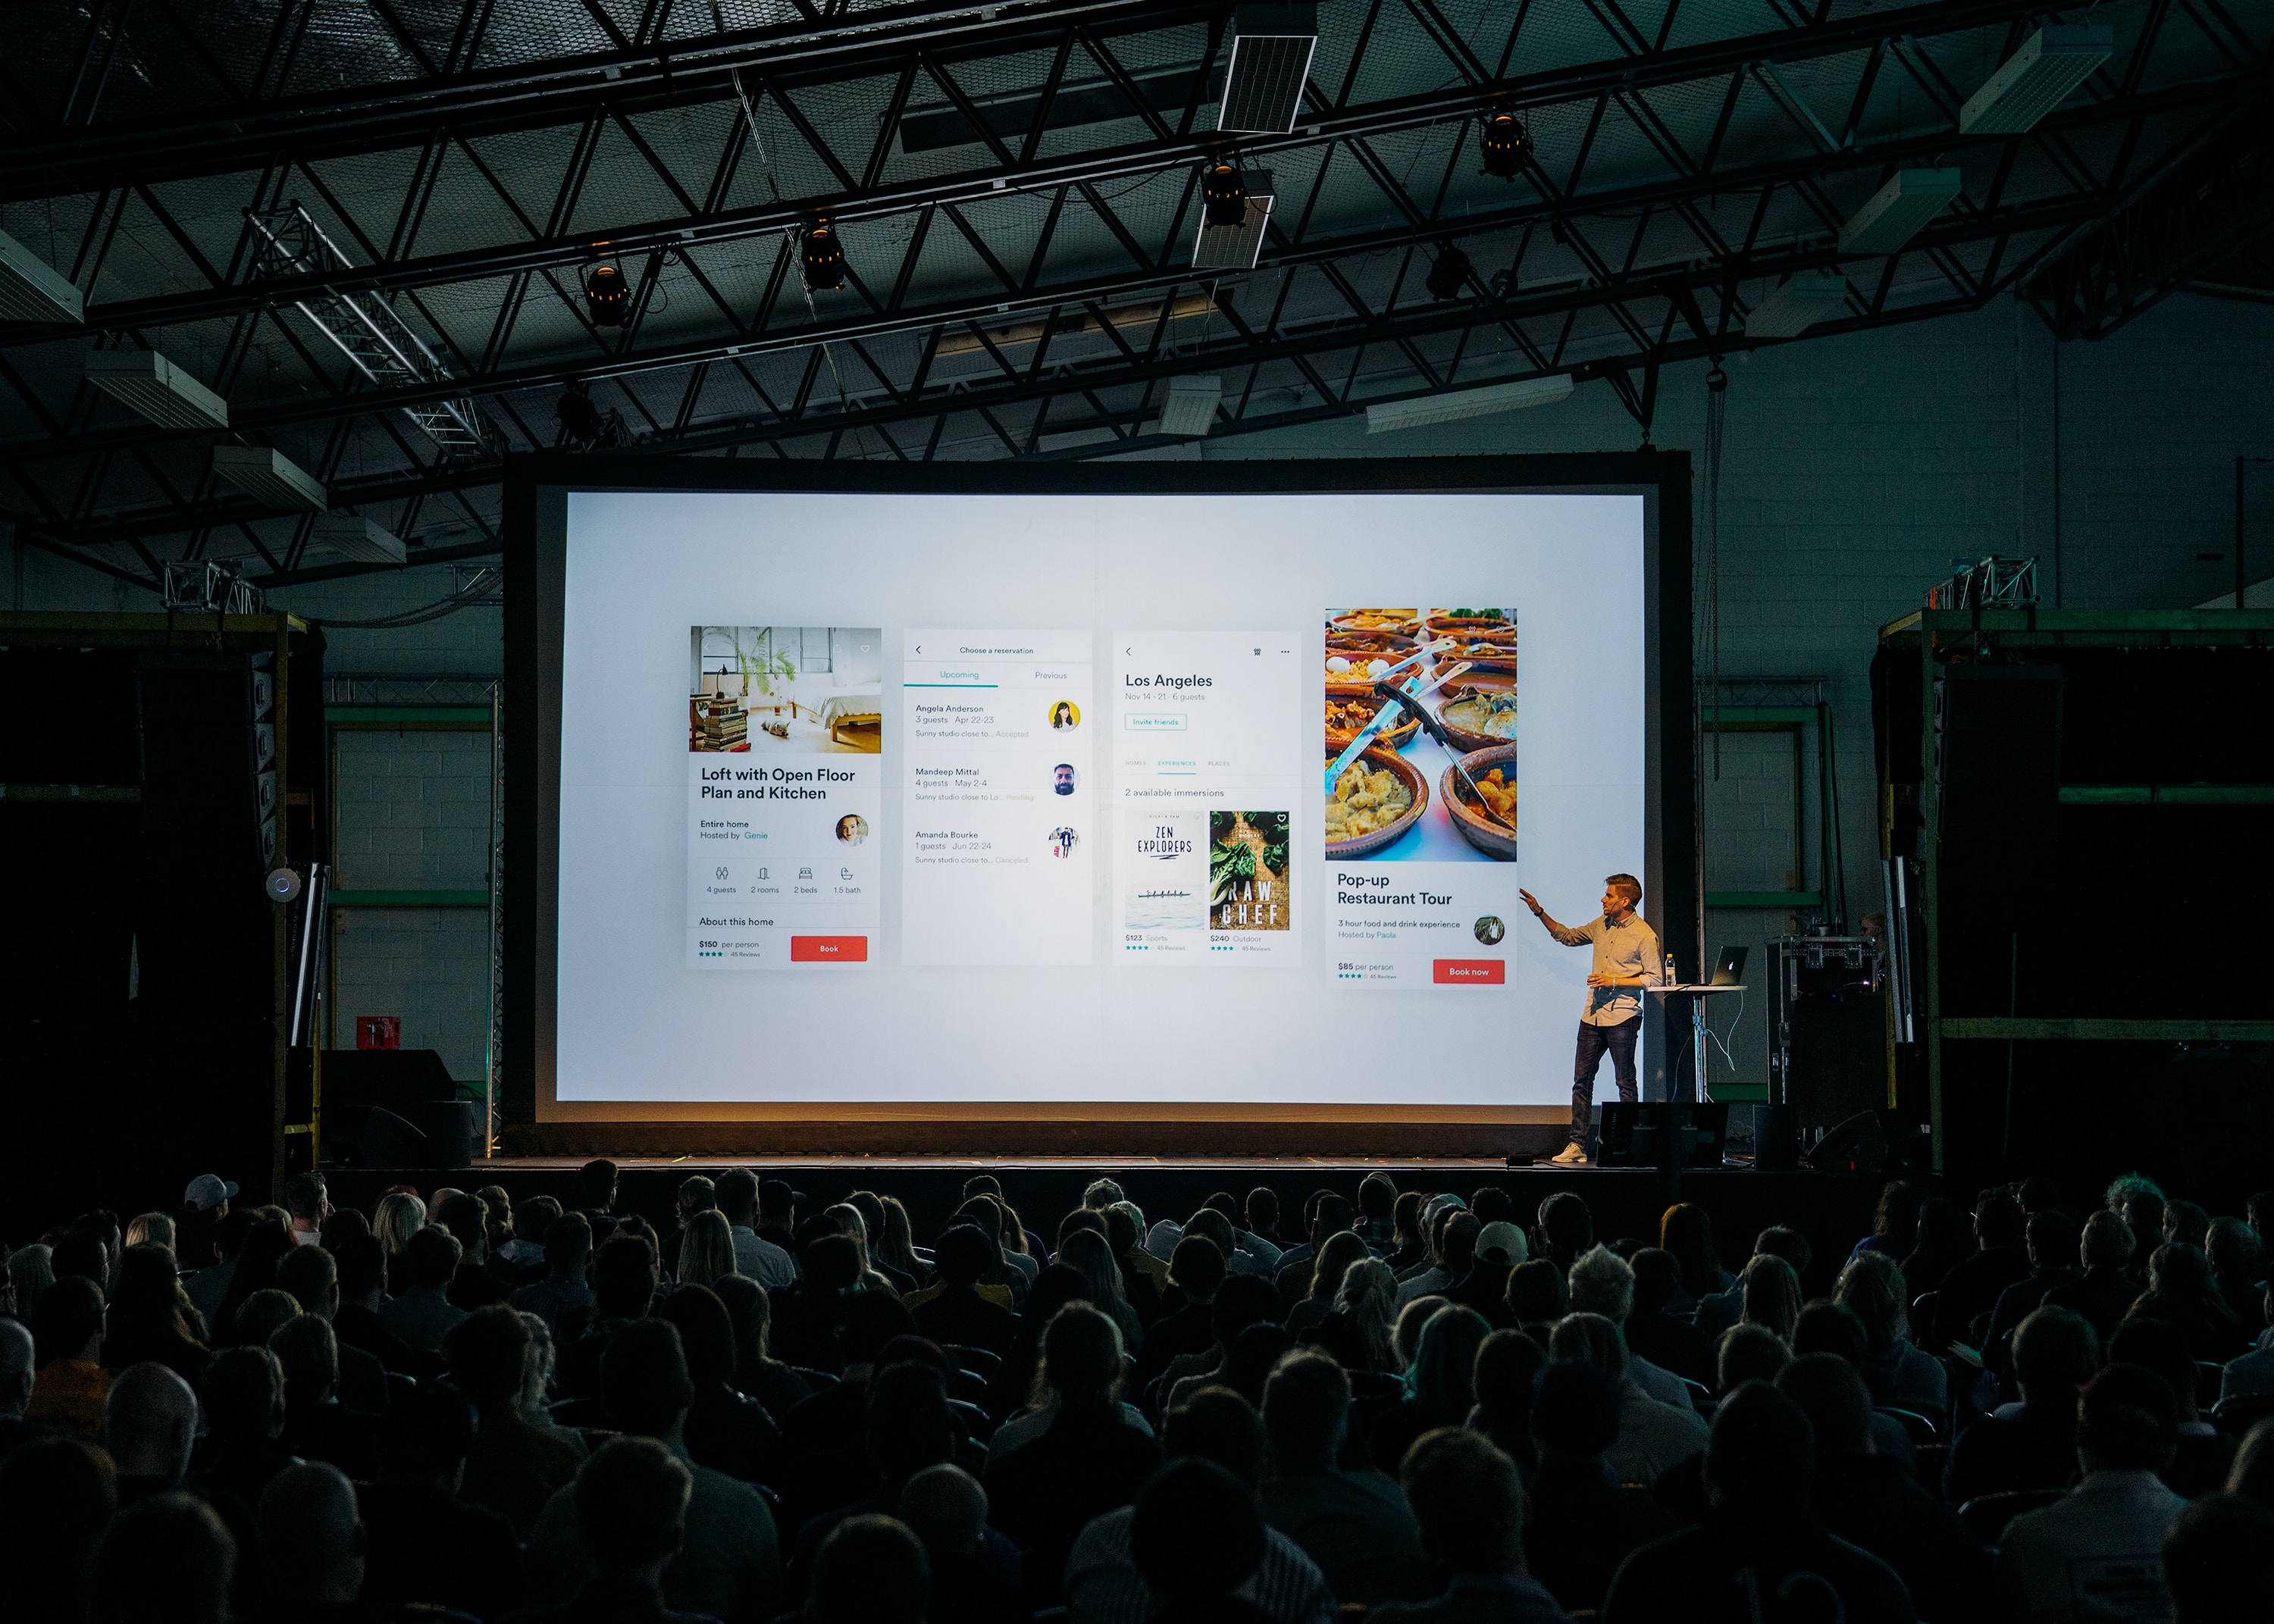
399,1216
706,1250
1770,1293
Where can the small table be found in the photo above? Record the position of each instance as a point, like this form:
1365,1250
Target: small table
1698,993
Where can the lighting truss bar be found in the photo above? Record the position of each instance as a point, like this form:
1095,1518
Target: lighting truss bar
377,342
1575,83
1383,417
1899,211
2035,78
31,289
154,389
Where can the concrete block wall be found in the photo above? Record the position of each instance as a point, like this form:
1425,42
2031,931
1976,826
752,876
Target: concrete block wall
1855,469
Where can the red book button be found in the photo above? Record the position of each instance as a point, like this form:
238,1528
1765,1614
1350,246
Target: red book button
1469,972
828,949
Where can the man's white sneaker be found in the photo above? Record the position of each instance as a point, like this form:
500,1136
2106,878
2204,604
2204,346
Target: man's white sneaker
1570,1156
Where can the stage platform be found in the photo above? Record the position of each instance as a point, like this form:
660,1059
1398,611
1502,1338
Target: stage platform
1834,1210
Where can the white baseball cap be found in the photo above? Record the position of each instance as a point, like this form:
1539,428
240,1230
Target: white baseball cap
207,1192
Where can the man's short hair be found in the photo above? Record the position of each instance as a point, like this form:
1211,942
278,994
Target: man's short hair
869,1570
2051,1233
430,1258
79,1255
264,1314
1198,1267
1831,1392
2219,1560
1593,1338
535,1216
1459,1245
569,1244
1332,1216
166,1557
465,1216
305,1196
1826,1327
1123,1228
308,1349
1567,1221
697,1194
631,1503
2128,1420
1782,1241
945,1507
1216,1423
738,1194
1195,1533
243,1394
1467,1498
1761,1455
1625,883
2107,1241
309,1274
1537,1292
1263,1207
964,1253
1101,1192
1306,1408
623,1278
488,1354
1997,1216
1749,1353
1377,1194
1602,1282
644,1377
65,1318
2055,1353
361,1263
596,1184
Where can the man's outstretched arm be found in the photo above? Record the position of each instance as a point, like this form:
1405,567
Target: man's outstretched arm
1564,934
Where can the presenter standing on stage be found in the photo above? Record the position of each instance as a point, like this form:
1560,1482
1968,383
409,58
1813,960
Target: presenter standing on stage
1627,960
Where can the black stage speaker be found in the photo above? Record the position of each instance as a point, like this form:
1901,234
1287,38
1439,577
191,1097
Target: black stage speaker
1858,1145
397,1079
449,1125
388,1141
1776,1140
1664,1133
1839,1055
1999,733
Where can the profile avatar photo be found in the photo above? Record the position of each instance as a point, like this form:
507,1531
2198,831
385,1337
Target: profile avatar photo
852,829
1489,930
1064,716
1063,841
1062,778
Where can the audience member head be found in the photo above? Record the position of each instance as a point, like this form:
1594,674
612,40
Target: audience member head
2237,1260
595,1186
1331,1217
1770,1295
465,1217
487,1352
30,1271
1466,1494
1082,1359
1780,1241
1826,1327
869,1570
1871,1287
149,1422
1997,1220
1100,1194
1197,1267
260,1316
1442,1380
1406,1220
1831,1392
965,1254
2218,1561
707,1250
1255,1352
311,1278
2126,1420
430,1262
1195,1534
359,1270
643,1378
737,1197
2106,1242
1306,1409
399,1216
1509,1364
1748,1353
81,1254
1687,1231
1214,1423
1088,1219
1536,1294
1212,1226
168,1556
1760,1456
1602,1282
2055,1351
1090,1254
2185,1223
1896,1221
568,1244
623,1278
308,1201
16,1368
1657,1277
944,1507
749,1310
2179,1271
631,1507
2052,1236
244,1396
1406,1337
706,1333
312,1542
1567,1227
1574,1410
2253,1472
1593,1338
1332,1260
308,1352
909,1425
1377,1196
67,1320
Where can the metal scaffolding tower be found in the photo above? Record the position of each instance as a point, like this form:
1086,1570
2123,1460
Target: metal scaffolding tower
377,341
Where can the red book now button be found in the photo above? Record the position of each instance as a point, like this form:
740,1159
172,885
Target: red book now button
1478,971
817,950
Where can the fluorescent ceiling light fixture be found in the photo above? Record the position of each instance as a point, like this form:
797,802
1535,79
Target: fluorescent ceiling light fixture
1807,299
351,536
269,475
1271,50
2035,78
31,289
1898,210
154,389
1483,402
1189,408
1236,248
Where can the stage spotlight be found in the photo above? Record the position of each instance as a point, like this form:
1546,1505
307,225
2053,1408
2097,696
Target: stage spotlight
607,295
1449,275
1224,194
1504,145
821,258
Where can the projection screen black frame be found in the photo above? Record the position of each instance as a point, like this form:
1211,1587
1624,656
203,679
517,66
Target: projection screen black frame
535,535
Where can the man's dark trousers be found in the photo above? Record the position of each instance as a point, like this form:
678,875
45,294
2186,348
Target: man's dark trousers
1619,1040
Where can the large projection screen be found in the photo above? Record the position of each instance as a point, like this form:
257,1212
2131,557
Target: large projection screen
989,794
